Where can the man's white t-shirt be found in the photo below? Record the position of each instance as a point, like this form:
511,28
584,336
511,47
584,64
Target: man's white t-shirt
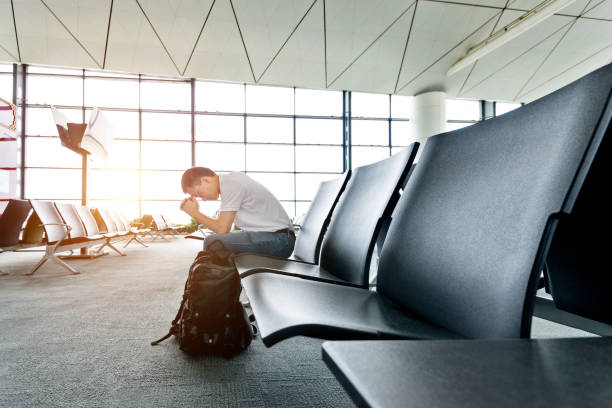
256,208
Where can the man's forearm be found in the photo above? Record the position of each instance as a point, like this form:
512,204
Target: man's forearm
211,223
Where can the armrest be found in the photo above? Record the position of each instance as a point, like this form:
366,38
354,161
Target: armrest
68,229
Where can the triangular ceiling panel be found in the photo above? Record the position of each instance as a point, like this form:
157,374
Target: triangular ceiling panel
220,54
603,10
178,24
487,3
440,35
377,69
495,61
577,70
505,84
583,39
87,21
43,39
8,41
133,45
351,26
572,9
302,61
266,25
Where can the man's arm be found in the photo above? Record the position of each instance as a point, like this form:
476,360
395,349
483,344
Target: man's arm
221,225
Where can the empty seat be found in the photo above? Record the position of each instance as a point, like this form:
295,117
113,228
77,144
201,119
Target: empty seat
311,232
11,223
91,226
367,202
469,236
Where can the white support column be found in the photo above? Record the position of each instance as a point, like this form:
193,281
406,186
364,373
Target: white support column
428,116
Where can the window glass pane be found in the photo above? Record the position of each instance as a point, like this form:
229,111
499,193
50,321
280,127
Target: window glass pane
370,132
269,99
501,108
281,185
51,184
269,158
450,126
220,156
39,121
366,155
123,156
301,208
308,184
162,185
401,106
318,103
33,69
111,93
55,90
92,73
48,152
318,131
165,95
218,97
166,155
113,184
219,128
369,105
129,207
271,130
396,149
125,123
402,133
5,67
318,159
171,126
6,87
169,209
209,208
462,110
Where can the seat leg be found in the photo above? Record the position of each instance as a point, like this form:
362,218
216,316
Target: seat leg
114,248
140,241
64,264
39,264
128,241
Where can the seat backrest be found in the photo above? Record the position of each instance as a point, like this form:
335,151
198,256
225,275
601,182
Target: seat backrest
51,220
368,199
159,222
314,224
147,221
124,219
114,214
468,239
11,221
72,218
108,221
91,226
577,264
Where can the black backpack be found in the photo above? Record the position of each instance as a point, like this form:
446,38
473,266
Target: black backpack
211,319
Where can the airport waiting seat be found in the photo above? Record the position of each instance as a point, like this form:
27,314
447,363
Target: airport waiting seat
311,230
122,226
138,229
62,233
91,226
11,224
578,279
469,236
159,227
173,229
367,202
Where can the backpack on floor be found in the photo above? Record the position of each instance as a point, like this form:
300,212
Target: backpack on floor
211,319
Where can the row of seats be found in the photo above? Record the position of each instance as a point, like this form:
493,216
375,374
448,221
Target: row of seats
468,237
69,227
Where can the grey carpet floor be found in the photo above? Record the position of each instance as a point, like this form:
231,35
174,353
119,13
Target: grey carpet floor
83,341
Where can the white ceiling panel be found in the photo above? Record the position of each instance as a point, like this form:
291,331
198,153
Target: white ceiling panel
266,25
506,83
571,74
133,45
495,61
87,20
178,24
584,38
573,9
220,52
302,61
603,9
443,30
43,39
378,68
352,25
489,3
8,41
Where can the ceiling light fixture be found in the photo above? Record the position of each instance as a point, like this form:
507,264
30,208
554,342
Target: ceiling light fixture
525,22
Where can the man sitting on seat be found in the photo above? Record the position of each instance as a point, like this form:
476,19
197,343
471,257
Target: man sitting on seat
265,227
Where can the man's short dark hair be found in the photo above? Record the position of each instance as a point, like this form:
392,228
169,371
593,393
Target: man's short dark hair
192,176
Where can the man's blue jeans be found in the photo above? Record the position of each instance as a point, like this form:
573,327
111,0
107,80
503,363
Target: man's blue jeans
264,243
